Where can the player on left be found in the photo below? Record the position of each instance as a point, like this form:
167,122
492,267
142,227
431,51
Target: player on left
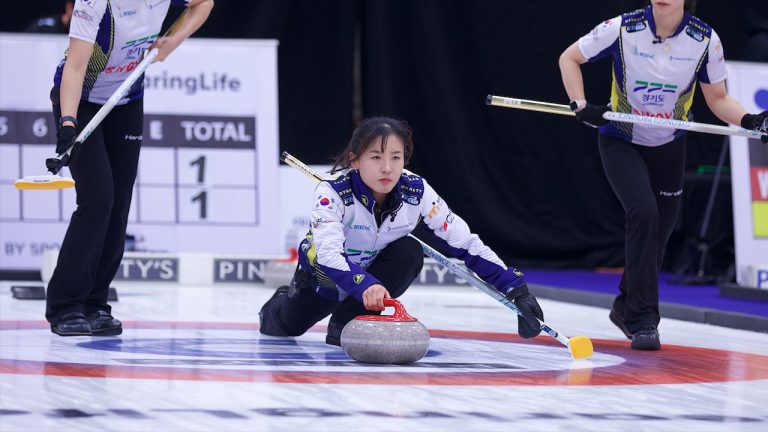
106,40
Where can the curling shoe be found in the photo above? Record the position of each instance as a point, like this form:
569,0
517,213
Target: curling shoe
619,322
333,337
72,324
104,324
646,339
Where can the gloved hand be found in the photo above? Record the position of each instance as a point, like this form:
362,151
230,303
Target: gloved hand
758,122
65,139
527,324
592,115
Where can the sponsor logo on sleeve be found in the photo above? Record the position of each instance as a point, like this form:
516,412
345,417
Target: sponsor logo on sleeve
600,29
346,196
319,221
434,210
636,27
411,195
412,200
358,278
693,25
448,220
83,15
694,33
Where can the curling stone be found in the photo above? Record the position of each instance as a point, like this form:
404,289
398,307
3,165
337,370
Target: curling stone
389,339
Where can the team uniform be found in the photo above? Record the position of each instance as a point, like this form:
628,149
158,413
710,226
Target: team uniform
120,31
351,245
105,165
654,77
645,165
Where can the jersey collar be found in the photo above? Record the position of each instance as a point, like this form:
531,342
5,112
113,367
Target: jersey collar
652,23
361,191
365,197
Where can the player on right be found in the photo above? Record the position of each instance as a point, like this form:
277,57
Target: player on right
660,53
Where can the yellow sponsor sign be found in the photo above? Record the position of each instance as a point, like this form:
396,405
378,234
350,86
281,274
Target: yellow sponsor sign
760,218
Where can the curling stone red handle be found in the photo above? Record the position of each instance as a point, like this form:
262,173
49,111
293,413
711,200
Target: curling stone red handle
400,313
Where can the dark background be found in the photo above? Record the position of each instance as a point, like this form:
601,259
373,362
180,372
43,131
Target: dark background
530,184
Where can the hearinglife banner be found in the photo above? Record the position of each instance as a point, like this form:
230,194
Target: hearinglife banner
748,83
208,168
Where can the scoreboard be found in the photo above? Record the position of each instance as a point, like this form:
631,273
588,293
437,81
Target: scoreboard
207,178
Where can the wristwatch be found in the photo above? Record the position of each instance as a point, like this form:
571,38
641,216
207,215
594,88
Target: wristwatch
577,104
66,119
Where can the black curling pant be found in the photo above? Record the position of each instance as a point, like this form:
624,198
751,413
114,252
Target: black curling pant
104,169
396,267
649,182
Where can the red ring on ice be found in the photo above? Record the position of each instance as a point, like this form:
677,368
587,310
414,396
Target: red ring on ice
674,364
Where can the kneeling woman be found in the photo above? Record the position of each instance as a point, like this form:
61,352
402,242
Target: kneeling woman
357,251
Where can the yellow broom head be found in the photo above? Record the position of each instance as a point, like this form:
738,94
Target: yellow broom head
44,182
580,347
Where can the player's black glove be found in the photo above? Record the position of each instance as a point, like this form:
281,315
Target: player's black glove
758,122
592,115
527,324
66,138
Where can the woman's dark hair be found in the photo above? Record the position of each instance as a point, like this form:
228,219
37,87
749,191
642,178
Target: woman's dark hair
369,130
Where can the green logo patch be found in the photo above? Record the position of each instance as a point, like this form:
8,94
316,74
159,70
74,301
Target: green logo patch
358,278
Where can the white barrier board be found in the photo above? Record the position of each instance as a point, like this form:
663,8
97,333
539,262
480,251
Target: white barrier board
748,83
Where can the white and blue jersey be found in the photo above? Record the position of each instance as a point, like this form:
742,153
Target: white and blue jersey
345,237
120,31
654,77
